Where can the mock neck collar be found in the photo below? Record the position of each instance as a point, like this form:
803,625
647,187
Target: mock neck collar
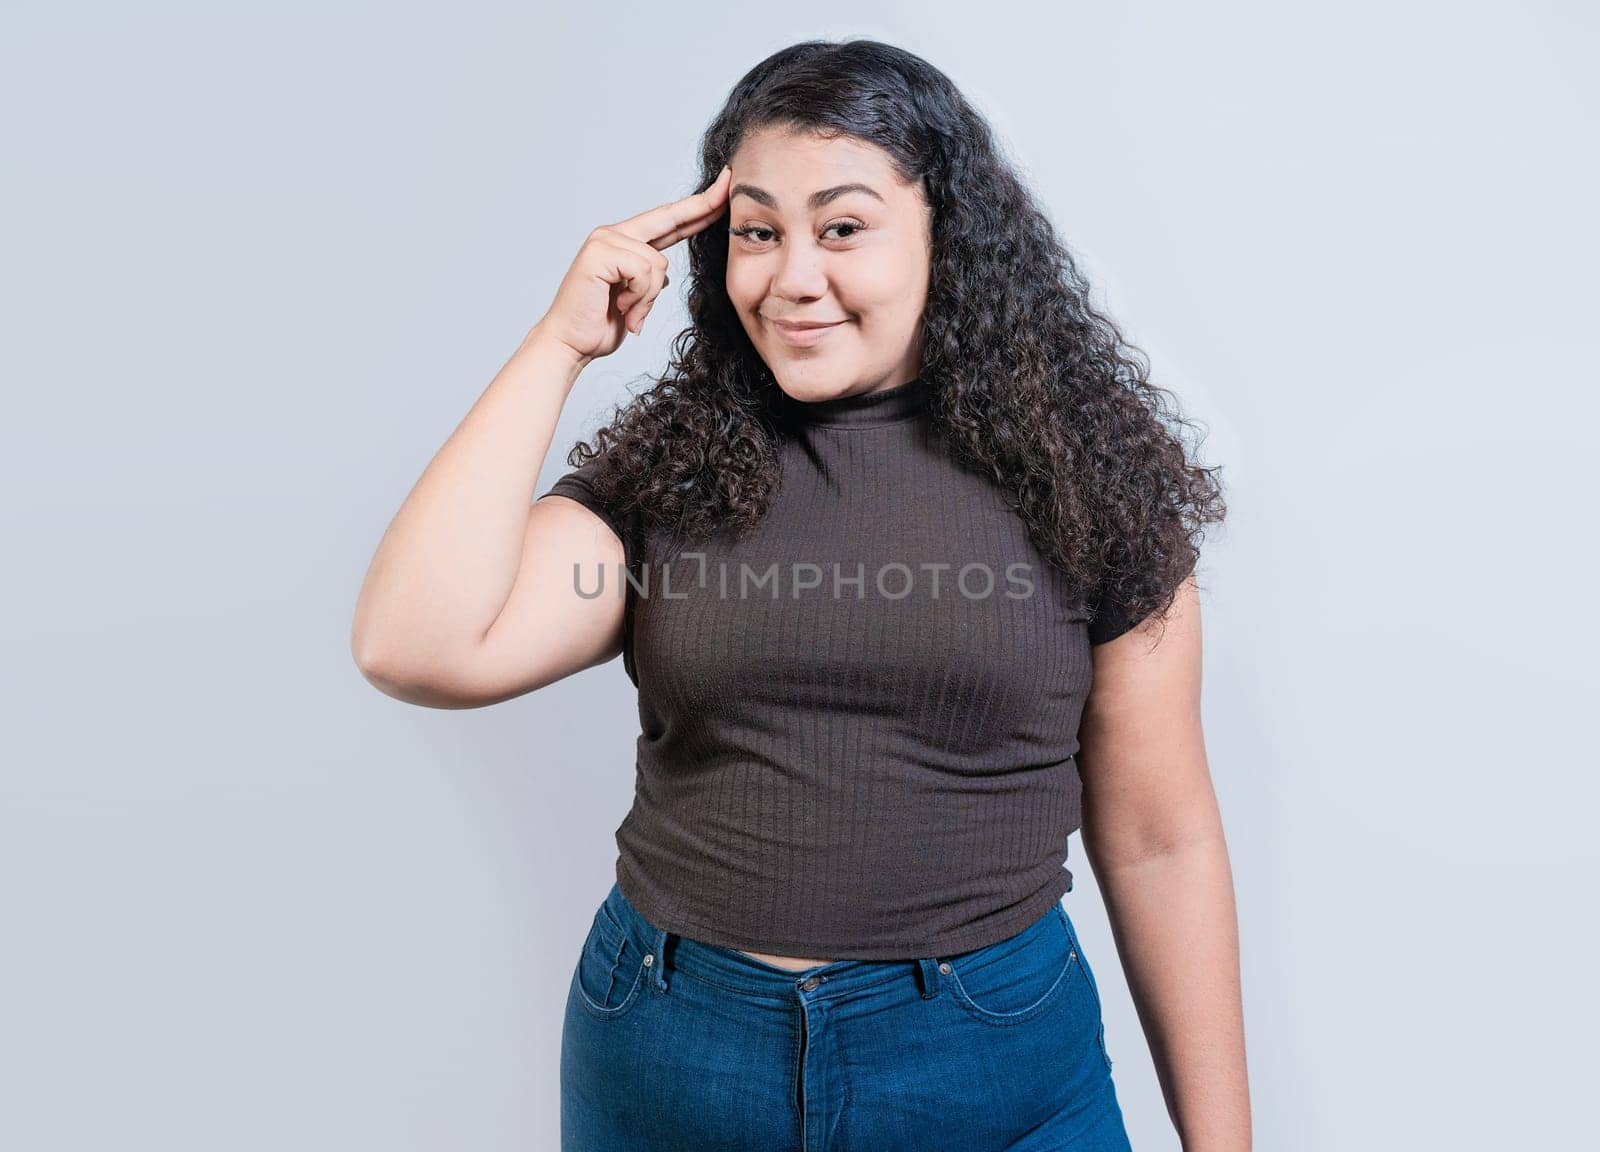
862,410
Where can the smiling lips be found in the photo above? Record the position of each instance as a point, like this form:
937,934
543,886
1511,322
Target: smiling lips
804,333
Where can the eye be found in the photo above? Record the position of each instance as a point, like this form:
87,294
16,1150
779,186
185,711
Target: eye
757,234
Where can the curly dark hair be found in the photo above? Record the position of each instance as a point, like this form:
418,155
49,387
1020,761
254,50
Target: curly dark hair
1029,381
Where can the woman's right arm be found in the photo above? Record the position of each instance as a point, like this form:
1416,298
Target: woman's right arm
472,596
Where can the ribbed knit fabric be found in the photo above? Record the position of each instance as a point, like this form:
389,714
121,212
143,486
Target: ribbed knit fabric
880,772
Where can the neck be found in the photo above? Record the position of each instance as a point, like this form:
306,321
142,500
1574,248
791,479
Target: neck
857,410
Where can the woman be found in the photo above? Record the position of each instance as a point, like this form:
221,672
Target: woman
900,500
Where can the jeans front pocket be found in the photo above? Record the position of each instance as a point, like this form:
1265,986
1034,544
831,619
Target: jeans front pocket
610,972
1014,980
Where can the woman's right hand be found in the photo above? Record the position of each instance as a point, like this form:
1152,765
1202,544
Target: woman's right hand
620,270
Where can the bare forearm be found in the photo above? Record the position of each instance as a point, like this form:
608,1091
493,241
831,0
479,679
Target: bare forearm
450,557
1172,914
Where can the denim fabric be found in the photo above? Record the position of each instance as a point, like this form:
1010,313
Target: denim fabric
672,1043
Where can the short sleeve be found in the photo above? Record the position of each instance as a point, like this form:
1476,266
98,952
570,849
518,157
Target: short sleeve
576,485
1112,618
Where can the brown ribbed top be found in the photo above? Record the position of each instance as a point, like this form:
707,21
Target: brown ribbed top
858,721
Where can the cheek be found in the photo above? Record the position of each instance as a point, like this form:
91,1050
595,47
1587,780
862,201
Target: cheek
743,286
877,287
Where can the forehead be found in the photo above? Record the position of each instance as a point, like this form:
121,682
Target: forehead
790,167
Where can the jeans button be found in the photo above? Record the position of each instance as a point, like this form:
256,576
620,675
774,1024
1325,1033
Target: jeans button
810,983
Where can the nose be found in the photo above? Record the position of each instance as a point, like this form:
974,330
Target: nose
800,275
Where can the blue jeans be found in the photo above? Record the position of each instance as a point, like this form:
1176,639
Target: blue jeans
672,1043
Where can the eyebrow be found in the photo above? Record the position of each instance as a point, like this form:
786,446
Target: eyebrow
815,200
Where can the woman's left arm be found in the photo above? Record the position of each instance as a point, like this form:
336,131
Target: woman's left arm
1153,835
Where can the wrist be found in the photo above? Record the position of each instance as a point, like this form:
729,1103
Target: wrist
540,344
